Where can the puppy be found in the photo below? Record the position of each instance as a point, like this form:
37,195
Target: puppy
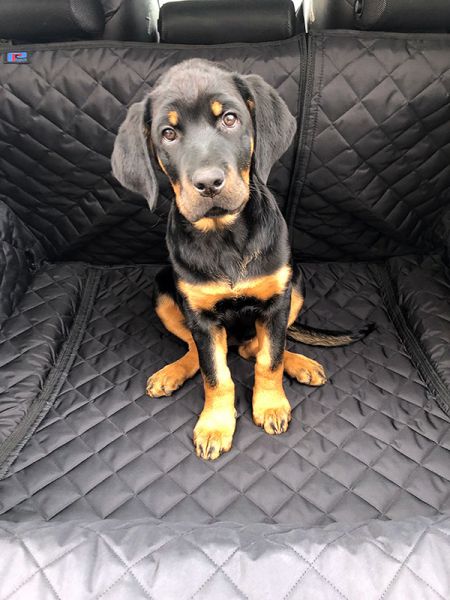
216,134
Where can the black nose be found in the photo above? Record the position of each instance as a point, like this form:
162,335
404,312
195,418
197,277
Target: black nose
209,181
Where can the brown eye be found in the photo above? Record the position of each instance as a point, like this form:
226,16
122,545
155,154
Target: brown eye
229,119
169,134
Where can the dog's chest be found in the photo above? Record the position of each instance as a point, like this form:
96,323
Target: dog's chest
205,296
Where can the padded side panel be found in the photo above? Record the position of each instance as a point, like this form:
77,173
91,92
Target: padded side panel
137,559
30,340
371,443
375,164
423,290
58,119
20,252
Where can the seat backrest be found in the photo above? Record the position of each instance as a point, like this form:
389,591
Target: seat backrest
410,16
59,114
33,21
223,21
368,175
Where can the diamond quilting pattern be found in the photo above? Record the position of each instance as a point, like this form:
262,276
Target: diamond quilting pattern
368,444
423,289
371,444
377,147
31,337
58,119
136,559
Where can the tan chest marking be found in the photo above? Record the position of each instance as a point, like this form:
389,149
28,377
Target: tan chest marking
205,296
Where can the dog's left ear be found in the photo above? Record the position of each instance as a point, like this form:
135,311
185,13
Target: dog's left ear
274,124
130,159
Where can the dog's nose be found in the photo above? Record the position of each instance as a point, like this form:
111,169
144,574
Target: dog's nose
209,181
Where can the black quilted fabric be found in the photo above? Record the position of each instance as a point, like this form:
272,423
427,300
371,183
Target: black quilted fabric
369,444
375,164
19,254
406,559
101,494
423,286
30,340
58,119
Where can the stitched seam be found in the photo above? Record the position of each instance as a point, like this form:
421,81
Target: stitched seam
33,558
41,569
311,563
307,141
418,356
45,399
383,595
301,112
218,568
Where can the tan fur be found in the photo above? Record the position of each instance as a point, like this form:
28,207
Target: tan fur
215,427
271,409
296,305
205,296
245,174
163,169
213,224
299,367
172,376
188,199
173,117
304,369
319,339
216,108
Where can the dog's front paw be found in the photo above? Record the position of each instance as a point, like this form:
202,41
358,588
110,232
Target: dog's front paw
303,369
213,433
272,414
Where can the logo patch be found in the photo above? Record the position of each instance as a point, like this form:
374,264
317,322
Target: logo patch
16,57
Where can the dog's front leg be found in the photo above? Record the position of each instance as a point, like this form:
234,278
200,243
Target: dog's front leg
214,431
271,408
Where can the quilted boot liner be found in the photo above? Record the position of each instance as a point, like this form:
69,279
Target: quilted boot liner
101,494
371,443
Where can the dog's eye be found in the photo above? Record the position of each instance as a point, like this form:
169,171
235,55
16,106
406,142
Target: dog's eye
169,134
229,119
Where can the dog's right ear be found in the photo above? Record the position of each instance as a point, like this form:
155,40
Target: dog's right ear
131,163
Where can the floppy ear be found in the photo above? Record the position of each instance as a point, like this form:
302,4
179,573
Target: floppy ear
274,124
130,160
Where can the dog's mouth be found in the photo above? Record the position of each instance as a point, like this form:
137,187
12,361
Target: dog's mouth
217,211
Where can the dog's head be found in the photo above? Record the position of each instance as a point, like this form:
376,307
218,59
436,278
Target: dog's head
206,128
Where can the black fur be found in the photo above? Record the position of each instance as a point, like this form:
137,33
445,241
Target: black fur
256,244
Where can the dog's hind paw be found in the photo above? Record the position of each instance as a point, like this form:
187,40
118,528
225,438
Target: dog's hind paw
165,382
303,369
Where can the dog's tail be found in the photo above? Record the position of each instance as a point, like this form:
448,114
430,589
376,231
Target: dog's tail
323,337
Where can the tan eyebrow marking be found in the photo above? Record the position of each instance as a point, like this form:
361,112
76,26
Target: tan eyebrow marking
173,117
216,108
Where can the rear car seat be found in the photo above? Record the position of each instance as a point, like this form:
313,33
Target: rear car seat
62,20
101,494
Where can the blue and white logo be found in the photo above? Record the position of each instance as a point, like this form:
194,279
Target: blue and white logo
17,57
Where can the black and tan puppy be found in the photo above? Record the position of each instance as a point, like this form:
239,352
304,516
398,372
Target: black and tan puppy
216,135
